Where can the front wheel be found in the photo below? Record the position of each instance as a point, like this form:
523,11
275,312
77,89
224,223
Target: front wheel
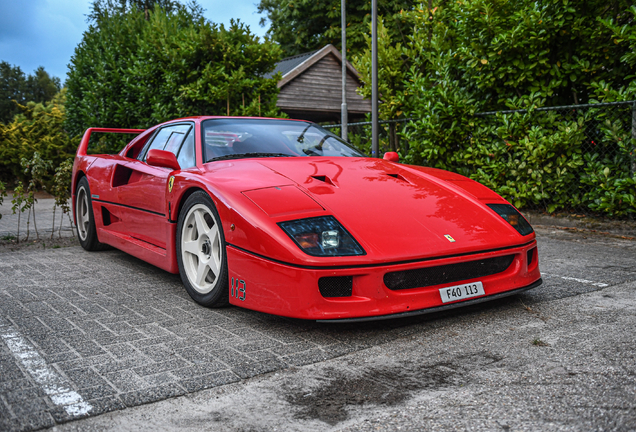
201,251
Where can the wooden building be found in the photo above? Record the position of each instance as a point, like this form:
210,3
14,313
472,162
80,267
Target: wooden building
311,88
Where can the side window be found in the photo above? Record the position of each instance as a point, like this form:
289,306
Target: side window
186,157
169,138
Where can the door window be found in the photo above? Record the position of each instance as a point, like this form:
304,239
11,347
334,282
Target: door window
168,138
186,156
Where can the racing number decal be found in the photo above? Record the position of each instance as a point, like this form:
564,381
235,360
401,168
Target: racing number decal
237,289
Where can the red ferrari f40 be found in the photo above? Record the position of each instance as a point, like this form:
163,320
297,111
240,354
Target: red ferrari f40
284,217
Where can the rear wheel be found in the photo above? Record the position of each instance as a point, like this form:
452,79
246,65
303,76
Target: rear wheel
201,251
85,219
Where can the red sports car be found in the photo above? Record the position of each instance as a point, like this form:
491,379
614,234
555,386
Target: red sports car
284,217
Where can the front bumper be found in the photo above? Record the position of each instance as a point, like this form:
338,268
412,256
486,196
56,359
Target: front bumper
292,291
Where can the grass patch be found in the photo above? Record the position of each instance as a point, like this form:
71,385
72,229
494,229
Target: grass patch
539,342
8,237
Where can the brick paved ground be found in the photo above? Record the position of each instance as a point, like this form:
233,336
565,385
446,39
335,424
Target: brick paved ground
85,333
122,333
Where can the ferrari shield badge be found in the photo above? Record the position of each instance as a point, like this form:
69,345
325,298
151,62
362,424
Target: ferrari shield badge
448,237
170,184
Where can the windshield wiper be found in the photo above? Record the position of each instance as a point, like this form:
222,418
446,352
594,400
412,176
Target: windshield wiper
248,155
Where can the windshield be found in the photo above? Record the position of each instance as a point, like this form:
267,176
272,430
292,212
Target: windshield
241,138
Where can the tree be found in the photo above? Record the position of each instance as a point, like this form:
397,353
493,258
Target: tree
41,87
102,8
12,88
16,88
301,26
133,72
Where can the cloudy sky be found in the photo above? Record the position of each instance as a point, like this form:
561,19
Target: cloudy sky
45,32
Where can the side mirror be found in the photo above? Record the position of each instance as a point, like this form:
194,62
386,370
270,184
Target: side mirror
391,157
163,159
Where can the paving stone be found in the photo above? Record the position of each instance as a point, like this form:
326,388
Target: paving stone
36,420
17,397
160,379
306,357
85,377
61,357
262,355
153,368
111,339
125,380
141,343
152,394
292,348
228,356
105,404
9,369
122,351
10,385
84,346
209,381
28,407
198,369
97,392
248,370
84,362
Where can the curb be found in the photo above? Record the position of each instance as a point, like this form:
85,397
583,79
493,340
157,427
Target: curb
623,229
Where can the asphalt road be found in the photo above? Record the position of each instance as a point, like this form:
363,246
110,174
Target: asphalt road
103,341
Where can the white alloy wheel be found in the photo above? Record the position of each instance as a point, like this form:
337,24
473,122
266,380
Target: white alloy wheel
82,213
201,250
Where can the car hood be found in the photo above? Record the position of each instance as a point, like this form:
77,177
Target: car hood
396,212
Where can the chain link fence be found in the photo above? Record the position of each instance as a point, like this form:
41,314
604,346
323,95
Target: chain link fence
576,159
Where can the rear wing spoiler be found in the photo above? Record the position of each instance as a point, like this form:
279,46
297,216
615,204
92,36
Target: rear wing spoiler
81,150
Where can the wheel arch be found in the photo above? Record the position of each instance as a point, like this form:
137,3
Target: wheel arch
183,197
76,179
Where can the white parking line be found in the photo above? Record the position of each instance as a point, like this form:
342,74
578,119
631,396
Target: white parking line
54,385
585,281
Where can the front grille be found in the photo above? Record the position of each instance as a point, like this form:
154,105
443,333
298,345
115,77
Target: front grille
531,256
336,286
429,276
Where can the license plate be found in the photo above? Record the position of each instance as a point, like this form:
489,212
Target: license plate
461,292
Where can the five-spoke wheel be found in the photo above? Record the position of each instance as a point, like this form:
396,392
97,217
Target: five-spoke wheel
201,251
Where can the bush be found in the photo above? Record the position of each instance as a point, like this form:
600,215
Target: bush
39,128
468,57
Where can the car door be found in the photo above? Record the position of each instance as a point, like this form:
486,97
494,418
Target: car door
142,188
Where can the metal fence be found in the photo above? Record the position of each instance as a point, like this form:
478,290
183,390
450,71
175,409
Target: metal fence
590,169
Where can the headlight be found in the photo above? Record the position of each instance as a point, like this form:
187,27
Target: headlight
513,217
322,236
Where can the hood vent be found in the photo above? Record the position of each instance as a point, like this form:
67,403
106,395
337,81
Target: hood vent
323,178
398,177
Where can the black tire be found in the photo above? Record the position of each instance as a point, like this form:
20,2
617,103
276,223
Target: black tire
201,251
84,218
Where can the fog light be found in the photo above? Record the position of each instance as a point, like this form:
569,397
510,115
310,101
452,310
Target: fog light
330,239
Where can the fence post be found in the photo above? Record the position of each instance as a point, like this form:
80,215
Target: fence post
633,152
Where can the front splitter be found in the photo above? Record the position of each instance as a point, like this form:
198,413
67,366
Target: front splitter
437,308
